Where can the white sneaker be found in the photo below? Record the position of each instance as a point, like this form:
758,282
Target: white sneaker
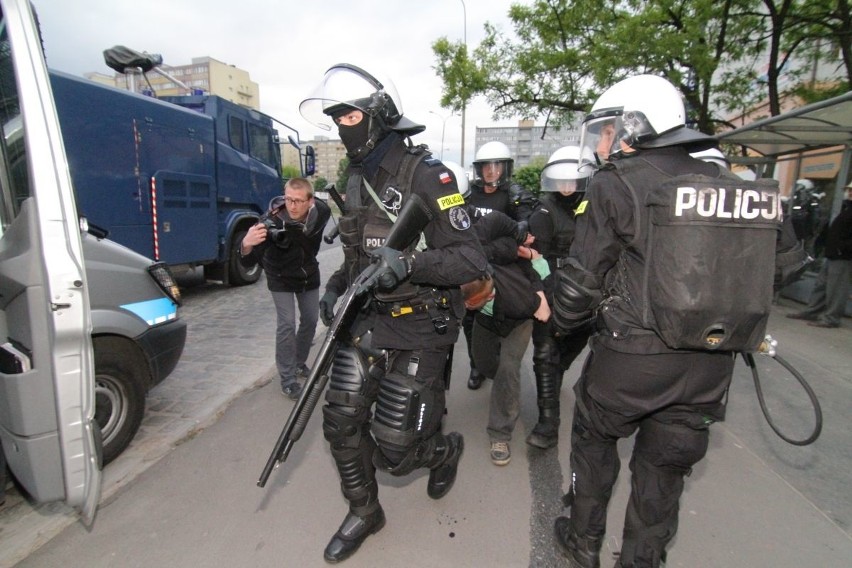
500,454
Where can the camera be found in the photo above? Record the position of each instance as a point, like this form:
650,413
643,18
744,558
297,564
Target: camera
275,233
281,233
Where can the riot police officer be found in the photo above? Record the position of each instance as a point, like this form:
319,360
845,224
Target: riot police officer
637,377
563,186
397,350
493,190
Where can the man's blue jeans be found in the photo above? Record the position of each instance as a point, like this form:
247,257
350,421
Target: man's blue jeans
291,346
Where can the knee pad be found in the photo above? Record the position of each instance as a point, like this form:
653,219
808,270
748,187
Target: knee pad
407,412
675,446
349,396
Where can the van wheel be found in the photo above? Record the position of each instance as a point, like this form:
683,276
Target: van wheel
239,275
120,389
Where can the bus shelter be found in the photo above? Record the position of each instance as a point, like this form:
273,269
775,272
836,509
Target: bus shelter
817,138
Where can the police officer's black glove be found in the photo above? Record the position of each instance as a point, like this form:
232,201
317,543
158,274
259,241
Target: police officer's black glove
523,232
326,307
393,268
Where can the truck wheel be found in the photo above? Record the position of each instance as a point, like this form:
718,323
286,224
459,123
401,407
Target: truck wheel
120,389
239,275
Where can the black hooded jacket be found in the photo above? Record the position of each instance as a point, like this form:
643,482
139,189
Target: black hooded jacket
291,265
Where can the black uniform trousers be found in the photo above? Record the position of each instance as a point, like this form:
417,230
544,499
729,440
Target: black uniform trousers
669,400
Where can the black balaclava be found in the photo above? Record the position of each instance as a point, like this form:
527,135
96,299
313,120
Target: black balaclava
361,138
355,139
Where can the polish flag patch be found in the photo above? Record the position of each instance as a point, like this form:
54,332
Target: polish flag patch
445,178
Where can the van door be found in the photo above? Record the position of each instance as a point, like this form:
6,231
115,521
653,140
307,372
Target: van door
47,427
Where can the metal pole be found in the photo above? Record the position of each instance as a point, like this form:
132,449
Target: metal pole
464,103
443,129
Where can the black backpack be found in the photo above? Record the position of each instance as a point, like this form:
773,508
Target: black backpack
709,260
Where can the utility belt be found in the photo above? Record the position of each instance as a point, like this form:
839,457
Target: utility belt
436,305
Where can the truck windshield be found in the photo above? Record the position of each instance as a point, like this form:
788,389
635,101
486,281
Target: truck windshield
260,145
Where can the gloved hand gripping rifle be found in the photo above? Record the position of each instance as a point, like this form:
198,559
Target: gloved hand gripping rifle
415,215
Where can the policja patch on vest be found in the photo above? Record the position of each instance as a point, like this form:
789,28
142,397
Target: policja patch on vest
450,201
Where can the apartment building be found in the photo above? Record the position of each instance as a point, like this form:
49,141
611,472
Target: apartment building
205,73
526,141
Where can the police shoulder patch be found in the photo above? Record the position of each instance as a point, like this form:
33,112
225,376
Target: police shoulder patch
581,208
452,200
459,218
432,162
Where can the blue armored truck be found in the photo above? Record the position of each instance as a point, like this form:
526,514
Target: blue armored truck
177,179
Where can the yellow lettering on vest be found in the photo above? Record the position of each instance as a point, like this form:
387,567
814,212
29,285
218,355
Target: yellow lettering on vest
581,208
450,201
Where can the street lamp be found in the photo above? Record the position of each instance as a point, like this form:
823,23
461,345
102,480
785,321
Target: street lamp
464,103
443,128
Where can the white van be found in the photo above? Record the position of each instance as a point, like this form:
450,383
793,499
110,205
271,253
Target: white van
56,392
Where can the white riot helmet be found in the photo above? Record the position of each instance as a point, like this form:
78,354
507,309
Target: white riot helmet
345,87
498,154
804,185
461,177
562,172
643,111
713,156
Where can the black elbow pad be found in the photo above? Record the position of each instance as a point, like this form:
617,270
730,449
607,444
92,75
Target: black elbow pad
573,303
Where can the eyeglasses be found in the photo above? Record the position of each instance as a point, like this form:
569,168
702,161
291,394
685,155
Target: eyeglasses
294,201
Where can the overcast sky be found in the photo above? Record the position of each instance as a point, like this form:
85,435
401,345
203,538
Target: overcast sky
286,46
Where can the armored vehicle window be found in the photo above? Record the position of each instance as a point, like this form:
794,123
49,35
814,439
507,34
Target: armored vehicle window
260,144
235,133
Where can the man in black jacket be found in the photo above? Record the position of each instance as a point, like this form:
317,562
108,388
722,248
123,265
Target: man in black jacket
830,295
287,250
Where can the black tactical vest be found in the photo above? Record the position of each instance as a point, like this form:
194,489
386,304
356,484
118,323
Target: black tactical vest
563,227
366,225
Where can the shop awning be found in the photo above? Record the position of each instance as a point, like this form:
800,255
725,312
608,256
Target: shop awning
818,125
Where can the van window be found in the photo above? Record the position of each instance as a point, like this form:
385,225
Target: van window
14,175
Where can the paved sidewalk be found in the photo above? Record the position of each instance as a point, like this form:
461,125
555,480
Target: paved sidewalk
229,349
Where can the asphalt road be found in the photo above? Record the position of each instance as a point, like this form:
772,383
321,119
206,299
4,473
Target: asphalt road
754,501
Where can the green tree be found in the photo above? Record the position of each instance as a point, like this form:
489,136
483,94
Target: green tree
342,176
529,177
320,183
290,172
566,52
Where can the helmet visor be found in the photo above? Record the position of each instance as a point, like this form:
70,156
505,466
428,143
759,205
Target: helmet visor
598,138
342,86
493,172
561,176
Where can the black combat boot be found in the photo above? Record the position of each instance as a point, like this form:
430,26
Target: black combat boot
442,477
545,434
475,379
352,533
582,552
